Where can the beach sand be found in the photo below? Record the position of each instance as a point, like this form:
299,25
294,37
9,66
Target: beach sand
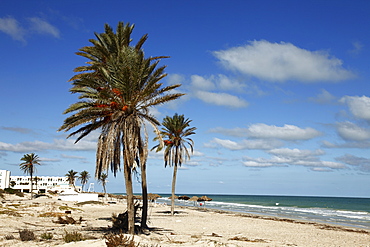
189,226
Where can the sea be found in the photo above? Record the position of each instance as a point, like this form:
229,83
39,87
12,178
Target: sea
342,211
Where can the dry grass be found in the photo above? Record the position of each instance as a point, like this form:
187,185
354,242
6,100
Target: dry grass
52,214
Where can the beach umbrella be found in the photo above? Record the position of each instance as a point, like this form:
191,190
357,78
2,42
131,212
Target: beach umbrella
171,197
183,198
204,199
152,197
194,199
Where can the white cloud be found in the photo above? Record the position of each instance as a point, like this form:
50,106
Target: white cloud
357,47
201,83
57,144
359,106
10,26
351,132
283,62
244,144
323,98
264,131
294,157
257,164
296,153
221,99
175,79
43,27
360,163
287,132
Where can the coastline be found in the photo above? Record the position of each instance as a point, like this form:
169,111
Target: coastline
189,227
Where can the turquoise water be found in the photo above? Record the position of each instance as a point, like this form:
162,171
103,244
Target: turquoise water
354,212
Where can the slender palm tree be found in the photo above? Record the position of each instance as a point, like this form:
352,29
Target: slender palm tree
84,178
71,177
176,131
103,181
28,166
117,89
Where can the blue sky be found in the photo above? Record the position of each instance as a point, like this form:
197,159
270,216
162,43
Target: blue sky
278,90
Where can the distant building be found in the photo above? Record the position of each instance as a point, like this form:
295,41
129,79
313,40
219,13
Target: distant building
40,184
4,179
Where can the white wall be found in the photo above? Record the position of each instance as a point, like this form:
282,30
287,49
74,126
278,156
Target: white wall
4,179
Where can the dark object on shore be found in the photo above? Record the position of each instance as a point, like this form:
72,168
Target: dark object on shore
68,220
120,222
183,197
26,235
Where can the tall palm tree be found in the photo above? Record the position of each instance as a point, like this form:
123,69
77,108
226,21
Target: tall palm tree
28,165
103,181
176,131
71,177
117,89
84,178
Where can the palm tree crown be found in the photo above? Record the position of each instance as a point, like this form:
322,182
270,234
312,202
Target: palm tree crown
28,165
84,177
176,131
71,177
103,180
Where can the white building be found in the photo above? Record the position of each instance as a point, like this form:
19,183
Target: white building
4,179
39,184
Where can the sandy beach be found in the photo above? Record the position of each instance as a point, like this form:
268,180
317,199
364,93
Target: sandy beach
189,227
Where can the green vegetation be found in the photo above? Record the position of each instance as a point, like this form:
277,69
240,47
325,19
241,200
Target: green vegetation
13,192
46,236
73,236
28,166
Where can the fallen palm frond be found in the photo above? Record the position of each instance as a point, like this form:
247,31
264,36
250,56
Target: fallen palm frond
68,220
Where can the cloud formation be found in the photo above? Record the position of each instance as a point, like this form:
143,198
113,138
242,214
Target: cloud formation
10,26
57,144
279,62
264,131
358,106
295,157
43,27
14,29
221,99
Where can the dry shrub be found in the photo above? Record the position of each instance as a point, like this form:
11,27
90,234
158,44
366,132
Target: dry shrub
46,236
26,235
9,237
10,212
66,208
89,202
51,214
245,239
114,240
74,236
68,220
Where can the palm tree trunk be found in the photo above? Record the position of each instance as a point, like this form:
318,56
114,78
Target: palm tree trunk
31,184
144,191
130,199
173,189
